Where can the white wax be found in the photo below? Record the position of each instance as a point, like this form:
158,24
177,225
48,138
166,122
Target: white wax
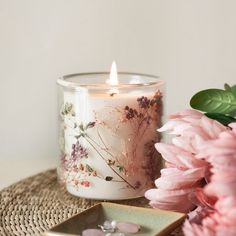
110,139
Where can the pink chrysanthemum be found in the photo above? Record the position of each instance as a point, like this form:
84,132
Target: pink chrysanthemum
185,170
221,154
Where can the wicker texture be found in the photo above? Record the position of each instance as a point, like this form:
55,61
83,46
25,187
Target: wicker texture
35,204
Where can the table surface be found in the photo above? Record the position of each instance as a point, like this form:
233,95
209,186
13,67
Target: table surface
13,170
36,204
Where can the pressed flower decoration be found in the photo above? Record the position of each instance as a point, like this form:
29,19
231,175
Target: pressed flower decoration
76,167
199,177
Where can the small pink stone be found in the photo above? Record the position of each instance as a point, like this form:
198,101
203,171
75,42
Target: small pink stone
92,232
129,228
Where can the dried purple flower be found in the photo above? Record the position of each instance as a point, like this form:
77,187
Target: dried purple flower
153,161
156,99
130,112
78,151
148,119
143,102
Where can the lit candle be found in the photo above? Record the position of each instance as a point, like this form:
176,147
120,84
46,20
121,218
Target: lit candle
107,134
113,78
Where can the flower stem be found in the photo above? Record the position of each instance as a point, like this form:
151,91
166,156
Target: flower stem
109,165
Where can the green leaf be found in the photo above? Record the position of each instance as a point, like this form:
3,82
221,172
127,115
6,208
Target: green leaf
120,168
214,101
68,109
233,90
89,168
230,89
227,87
223,119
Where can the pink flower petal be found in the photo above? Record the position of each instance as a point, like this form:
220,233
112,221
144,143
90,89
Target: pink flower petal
221,189
187,112
202,149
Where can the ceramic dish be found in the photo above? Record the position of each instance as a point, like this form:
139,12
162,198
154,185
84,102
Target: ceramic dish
153,222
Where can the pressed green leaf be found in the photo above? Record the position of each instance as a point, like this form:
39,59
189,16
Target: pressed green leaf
223,119
78,136
68,109
89,168
81,127
120,168
214,101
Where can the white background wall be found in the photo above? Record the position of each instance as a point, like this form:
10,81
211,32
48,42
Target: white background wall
191,44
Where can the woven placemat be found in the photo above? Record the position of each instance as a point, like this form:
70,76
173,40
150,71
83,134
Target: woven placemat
35,204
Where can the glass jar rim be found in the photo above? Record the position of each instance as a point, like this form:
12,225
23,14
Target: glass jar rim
149,80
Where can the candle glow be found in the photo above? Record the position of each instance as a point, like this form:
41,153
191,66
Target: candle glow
113,78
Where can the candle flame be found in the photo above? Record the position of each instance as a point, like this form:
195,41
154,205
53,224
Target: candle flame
113,79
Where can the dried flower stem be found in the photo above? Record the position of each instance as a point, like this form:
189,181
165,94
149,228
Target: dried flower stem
109,165
106,148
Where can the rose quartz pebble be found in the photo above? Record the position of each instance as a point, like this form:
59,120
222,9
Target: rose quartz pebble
92,232
129,228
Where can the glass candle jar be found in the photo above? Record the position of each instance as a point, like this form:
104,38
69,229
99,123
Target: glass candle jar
107,134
